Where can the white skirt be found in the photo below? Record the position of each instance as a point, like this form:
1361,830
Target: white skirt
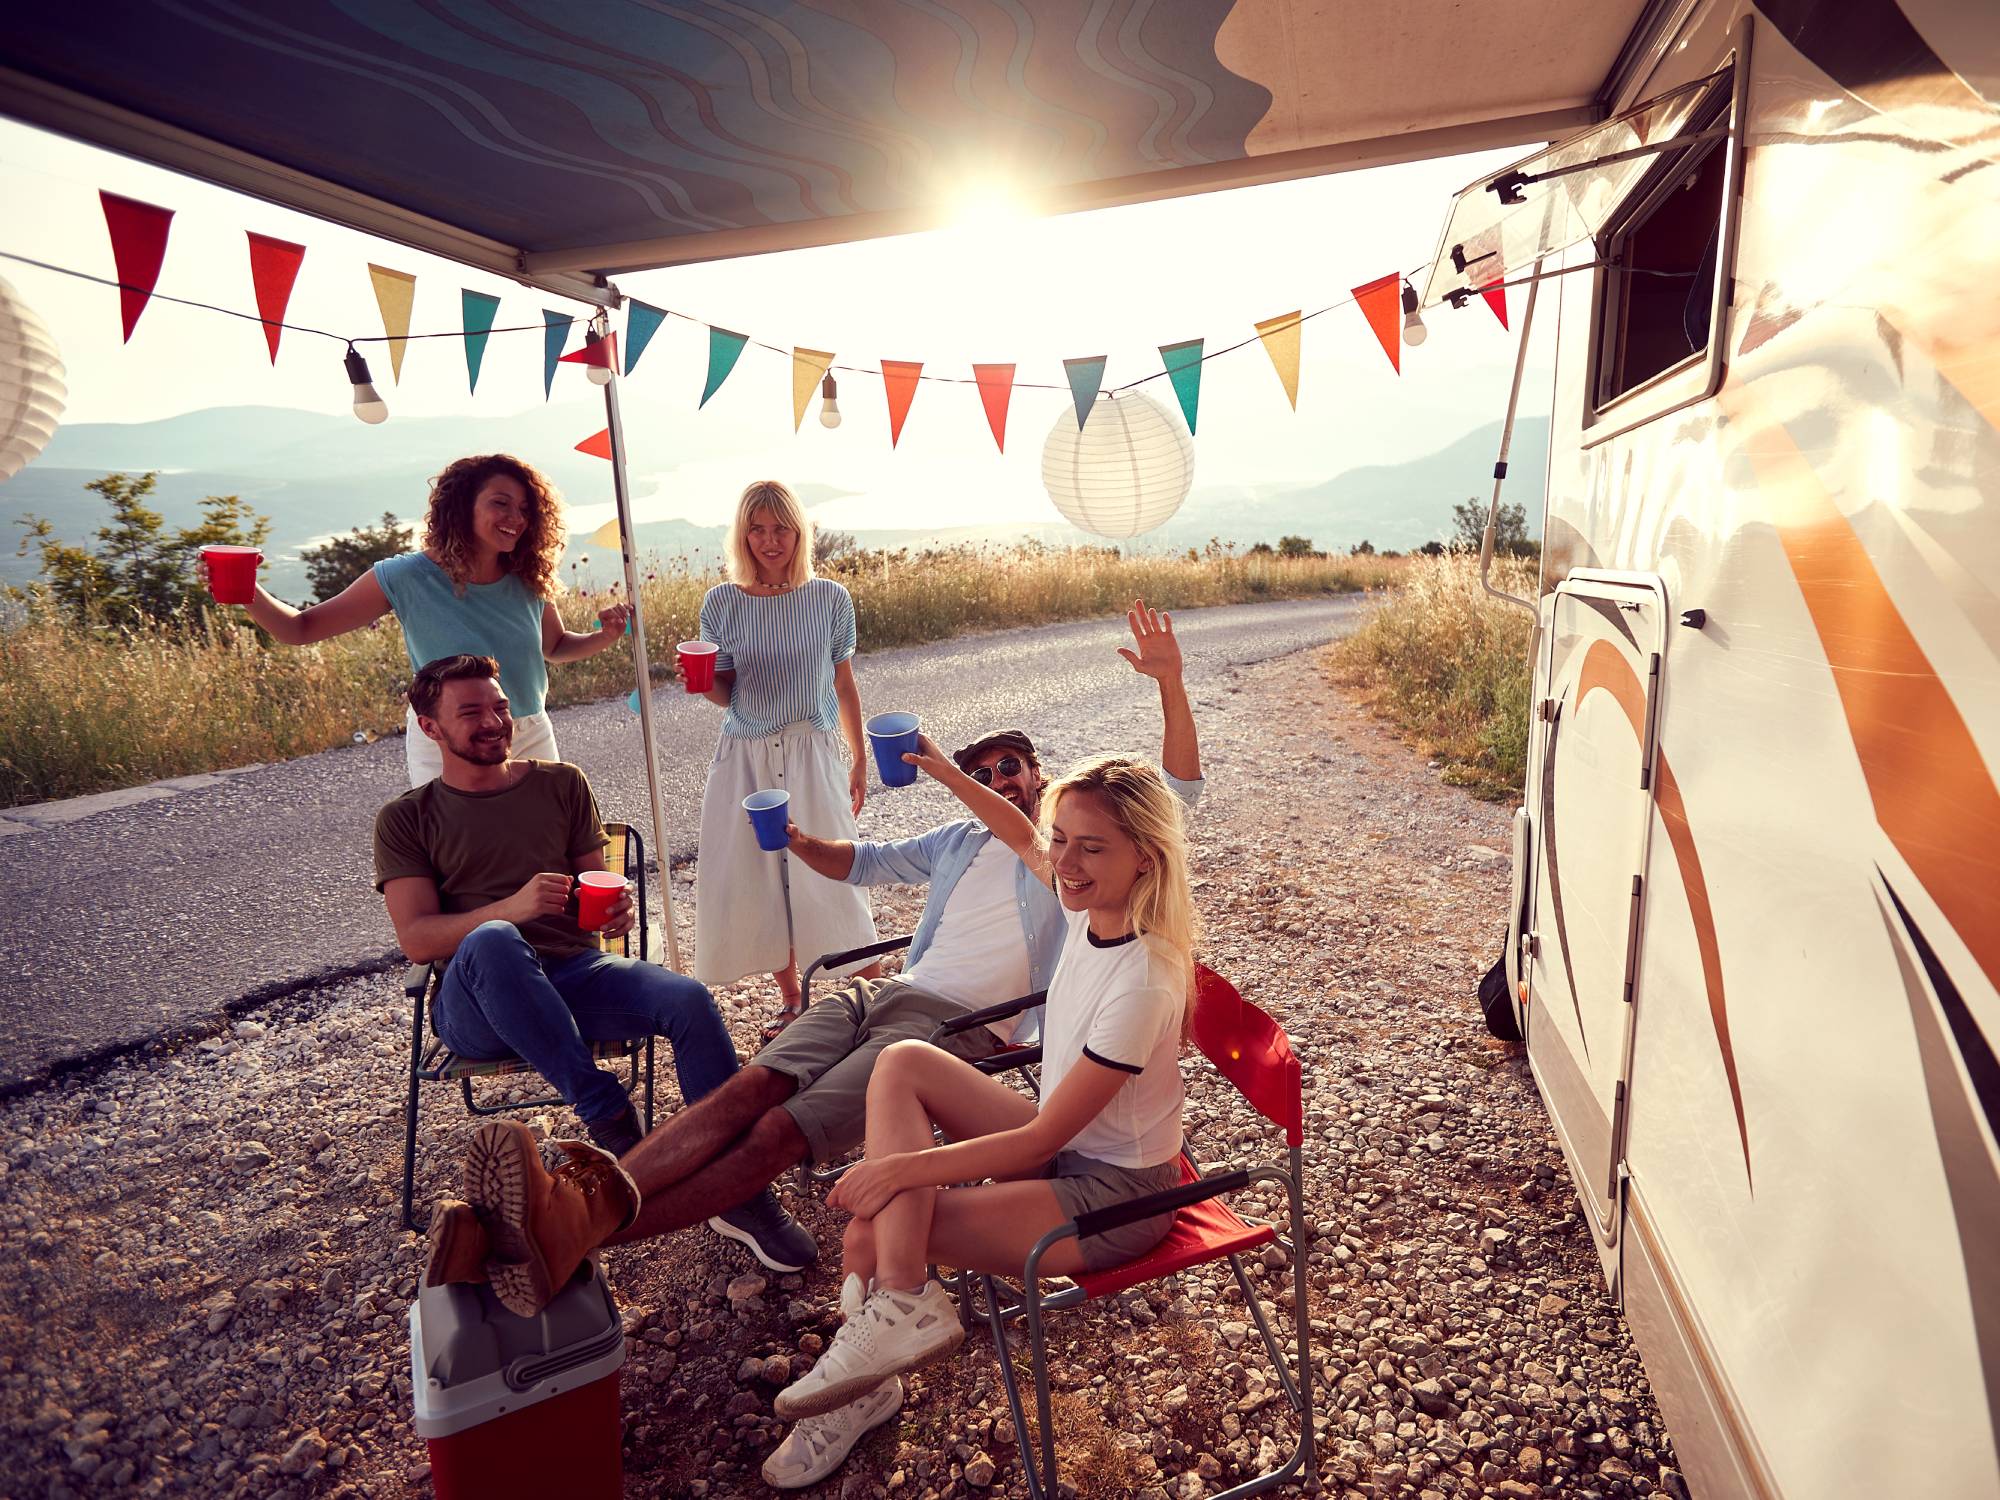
534,739
739,904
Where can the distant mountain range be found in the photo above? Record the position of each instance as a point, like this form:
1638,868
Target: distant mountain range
316,475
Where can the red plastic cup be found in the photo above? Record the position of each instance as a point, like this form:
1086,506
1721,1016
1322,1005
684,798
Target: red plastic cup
597,891
698,664
232,572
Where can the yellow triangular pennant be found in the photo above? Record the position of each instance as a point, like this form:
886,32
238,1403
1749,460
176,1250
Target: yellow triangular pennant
395,294
1281,342
808,366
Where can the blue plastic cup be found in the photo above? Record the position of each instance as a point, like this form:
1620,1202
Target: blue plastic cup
768,812
894,736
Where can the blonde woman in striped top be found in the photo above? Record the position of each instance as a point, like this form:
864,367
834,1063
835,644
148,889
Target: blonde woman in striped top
784,673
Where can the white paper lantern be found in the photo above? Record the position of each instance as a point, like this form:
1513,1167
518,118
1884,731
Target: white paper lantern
31,384
1126,471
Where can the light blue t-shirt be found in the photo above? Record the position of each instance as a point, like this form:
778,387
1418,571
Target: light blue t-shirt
783,649
501,620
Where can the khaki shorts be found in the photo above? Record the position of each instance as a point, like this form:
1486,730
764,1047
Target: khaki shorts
1083,1183
831,1049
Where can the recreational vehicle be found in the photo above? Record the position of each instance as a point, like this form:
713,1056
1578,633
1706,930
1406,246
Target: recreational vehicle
1755,931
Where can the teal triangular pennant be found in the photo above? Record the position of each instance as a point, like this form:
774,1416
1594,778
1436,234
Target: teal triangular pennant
478,309
640,325
1183,362
1086,377
554,335
723,349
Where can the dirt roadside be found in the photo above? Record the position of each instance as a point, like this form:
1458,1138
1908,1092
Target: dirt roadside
204,1291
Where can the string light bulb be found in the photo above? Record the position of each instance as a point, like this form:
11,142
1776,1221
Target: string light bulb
1414,332
368,404
829,406
599,374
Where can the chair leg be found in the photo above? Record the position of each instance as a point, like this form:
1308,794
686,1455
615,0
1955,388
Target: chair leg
1038,1362
999,1329
649,1085
410,1117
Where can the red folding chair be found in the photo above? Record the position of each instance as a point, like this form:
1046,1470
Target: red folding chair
1252,1052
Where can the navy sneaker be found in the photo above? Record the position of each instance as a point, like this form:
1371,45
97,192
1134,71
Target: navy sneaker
774,1236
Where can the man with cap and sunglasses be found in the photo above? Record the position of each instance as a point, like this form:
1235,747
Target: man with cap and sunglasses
990,932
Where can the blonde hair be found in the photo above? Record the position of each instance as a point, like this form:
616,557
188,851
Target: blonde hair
771,496
1161,902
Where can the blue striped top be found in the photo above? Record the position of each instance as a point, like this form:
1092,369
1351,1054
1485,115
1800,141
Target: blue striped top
783,649
501,620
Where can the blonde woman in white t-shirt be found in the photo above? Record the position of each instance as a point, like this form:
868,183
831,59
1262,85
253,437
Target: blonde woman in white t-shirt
1106,1129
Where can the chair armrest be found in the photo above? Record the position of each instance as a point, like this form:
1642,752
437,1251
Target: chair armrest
852,955
417,980
998,1012
1099,1220
1012,1058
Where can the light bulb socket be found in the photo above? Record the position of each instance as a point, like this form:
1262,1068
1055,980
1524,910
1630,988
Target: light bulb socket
1409,299
357,368
827,390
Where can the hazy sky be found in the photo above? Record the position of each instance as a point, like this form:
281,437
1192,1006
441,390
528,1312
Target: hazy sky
1117,282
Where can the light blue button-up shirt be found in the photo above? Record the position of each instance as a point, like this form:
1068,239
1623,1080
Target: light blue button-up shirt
946,853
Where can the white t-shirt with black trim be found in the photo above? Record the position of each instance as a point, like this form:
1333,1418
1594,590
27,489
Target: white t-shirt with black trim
1118,1003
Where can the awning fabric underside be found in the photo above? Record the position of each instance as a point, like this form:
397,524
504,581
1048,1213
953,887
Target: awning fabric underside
584,137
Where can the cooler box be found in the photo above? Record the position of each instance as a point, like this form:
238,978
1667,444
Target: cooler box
519,1406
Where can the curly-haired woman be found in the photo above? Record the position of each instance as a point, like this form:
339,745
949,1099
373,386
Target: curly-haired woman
484,585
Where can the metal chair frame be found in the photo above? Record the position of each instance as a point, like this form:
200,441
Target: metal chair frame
434,1062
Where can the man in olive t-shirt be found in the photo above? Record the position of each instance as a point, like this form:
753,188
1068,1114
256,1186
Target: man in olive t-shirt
477,868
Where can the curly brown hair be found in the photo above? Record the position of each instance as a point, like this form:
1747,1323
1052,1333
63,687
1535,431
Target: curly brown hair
448,524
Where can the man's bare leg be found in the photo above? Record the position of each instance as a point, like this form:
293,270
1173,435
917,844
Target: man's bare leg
692,1137
753,1162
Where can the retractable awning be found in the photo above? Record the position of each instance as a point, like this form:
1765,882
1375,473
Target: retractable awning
563,141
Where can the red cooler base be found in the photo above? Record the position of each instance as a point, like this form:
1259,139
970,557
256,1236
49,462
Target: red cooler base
568,1445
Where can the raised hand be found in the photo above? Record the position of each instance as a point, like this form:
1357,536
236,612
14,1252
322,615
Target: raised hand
1158,653
927,758
613,618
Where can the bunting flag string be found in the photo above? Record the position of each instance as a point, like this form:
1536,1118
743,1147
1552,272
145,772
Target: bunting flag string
395,294
1086,379
641,323
138,246
1280,337
477,309
1496,298
274,266
724,349
1183,362
808,369
555,333
996,389
1380,302
899,383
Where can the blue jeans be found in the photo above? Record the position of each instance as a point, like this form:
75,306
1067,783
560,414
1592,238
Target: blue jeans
500,996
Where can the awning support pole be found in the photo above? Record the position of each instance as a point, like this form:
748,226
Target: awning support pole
1506,442
624,499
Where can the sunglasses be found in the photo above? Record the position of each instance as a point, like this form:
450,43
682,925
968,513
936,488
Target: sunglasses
1007,765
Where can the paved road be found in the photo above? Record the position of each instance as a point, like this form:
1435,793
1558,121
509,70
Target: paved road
145,919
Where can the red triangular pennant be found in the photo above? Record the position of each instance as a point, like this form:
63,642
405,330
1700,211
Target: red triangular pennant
138,245
274,266
597,445
899,380
602,352
996,388
1381,303
1496,298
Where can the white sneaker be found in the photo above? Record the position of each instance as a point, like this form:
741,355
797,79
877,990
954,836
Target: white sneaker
894,1332
816,1446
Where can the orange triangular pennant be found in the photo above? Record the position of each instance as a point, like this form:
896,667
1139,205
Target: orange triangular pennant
1381,304
1496,298
597,445
899,380
996,388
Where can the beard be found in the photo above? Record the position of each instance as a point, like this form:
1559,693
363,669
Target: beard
481,749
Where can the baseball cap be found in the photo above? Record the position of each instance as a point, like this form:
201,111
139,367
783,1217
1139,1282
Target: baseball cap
1005,739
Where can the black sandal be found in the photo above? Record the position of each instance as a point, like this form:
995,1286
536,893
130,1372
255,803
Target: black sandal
776,1025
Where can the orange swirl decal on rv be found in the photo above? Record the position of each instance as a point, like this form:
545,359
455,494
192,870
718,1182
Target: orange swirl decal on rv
1604,666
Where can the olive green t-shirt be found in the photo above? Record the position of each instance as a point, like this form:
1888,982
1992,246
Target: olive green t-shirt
482,847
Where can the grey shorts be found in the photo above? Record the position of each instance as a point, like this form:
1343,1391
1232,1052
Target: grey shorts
1083,1183
831,1049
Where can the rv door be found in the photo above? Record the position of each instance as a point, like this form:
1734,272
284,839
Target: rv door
1591,785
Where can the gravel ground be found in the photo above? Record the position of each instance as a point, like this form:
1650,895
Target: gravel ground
204,1289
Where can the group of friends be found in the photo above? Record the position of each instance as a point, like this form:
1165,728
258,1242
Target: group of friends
1078,887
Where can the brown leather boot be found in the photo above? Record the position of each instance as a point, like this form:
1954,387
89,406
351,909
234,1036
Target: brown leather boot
459,1246
541,1223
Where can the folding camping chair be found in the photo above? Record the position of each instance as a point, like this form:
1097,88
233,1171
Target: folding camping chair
433,1062
1252,1052
1021,1055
